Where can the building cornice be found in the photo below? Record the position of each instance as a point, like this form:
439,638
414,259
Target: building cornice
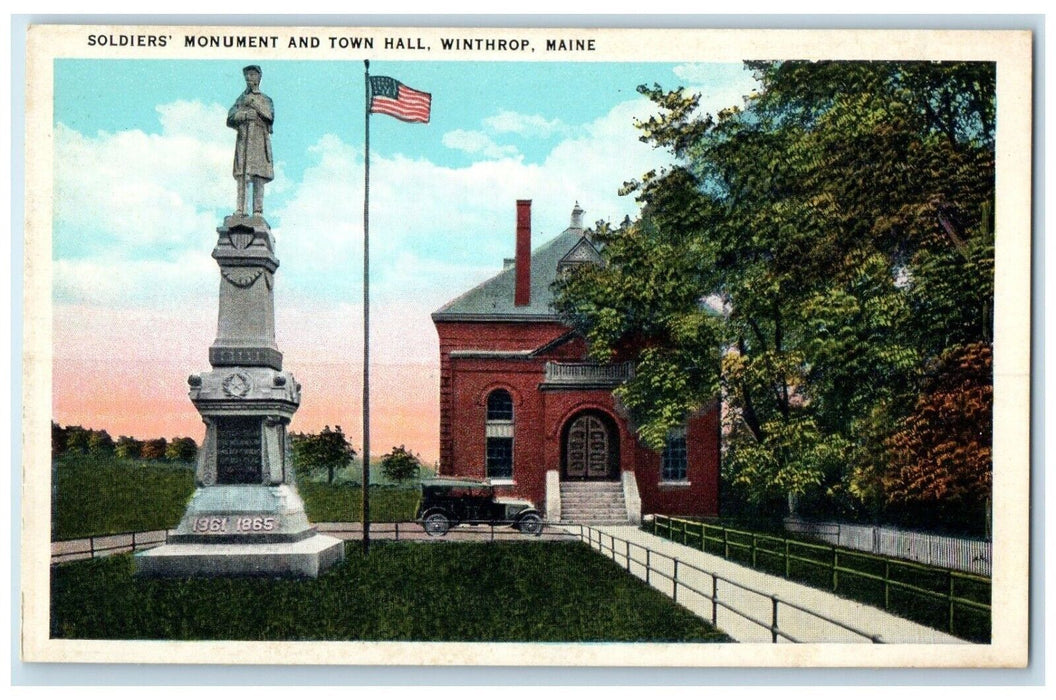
439,317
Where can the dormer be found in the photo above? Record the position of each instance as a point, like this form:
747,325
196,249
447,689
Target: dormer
583,252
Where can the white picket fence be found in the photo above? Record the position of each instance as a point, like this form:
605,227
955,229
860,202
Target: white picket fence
974,556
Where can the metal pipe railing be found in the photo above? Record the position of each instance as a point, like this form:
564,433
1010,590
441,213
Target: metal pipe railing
587,534
677,530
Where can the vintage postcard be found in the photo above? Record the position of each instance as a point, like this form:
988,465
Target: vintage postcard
525,347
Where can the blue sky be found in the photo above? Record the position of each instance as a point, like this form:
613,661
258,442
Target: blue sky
509,122
143,178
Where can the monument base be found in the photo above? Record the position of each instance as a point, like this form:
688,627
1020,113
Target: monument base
243,514
243,530
307,558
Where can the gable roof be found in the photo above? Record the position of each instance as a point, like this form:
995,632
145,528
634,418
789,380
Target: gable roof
492,300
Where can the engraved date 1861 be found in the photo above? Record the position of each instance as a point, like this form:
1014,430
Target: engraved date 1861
239,524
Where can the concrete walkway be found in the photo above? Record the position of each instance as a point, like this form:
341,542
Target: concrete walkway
802,626
123,543
413,532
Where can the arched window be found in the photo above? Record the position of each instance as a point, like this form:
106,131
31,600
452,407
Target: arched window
498,433
500,406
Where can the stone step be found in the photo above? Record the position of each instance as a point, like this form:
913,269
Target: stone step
590,521
567,508
592,494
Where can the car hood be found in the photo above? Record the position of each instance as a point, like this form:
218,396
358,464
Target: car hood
508,501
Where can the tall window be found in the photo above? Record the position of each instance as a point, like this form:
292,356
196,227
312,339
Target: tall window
498,433
673,459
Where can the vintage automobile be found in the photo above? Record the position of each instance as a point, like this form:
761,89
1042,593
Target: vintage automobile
448,502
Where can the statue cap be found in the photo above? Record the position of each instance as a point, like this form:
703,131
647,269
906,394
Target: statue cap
252,68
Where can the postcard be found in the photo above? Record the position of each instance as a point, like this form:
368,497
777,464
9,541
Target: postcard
526,347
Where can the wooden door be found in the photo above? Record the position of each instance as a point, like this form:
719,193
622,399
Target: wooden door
587,449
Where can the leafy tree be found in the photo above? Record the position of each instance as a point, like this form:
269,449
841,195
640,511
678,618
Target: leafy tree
181,449
128,447
831,238
942,454
77,439
154,449
100,442
58,439
400,464
328,450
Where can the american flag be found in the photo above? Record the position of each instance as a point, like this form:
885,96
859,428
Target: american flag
390,96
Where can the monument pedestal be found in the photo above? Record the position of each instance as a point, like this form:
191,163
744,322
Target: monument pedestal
307,558
251,529
246,517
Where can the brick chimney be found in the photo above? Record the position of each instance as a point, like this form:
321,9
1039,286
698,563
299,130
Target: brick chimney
522,295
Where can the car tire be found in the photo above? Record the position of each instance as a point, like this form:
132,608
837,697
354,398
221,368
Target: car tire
436,525
531,524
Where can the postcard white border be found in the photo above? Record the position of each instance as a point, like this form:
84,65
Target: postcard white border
1011,50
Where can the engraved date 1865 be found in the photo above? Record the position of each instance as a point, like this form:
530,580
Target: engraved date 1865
238,524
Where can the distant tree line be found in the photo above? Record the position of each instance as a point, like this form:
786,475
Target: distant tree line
75,439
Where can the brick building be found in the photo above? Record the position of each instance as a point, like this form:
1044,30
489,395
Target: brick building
521,406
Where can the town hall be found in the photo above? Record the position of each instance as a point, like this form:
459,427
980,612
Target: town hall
523,407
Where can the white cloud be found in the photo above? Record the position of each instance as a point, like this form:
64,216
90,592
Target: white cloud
147,204
436,231
477,142
190,279
532,125
130,189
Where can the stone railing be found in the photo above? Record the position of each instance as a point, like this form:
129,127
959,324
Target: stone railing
587,373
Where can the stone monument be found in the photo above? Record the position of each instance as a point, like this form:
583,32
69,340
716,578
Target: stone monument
245,516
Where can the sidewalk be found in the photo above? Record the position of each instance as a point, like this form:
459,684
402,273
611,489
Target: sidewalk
801,626
413,532
125,542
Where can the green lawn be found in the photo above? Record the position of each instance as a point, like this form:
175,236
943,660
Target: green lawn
508,592
343,502
98,495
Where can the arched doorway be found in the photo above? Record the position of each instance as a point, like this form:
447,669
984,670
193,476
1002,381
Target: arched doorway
590,448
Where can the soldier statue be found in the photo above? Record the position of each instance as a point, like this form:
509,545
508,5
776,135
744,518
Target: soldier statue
252,116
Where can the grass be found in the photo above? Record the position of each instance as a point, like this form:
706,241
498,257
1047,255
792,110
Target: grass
498,592
344,502
99,495
969,623
96,495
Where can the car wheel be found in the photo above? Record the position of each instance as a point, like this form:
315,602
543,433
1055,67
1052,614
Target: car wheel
531,524
436,525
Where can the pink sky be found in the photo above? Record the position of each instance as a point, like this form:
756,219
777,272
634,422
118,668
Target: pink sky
126,372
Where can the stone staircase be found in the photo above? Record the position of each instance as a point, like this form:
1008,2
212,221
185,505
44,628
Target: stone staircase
593,502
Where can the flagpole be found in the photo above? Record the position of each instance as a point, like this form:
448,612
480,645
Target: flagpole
366,313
